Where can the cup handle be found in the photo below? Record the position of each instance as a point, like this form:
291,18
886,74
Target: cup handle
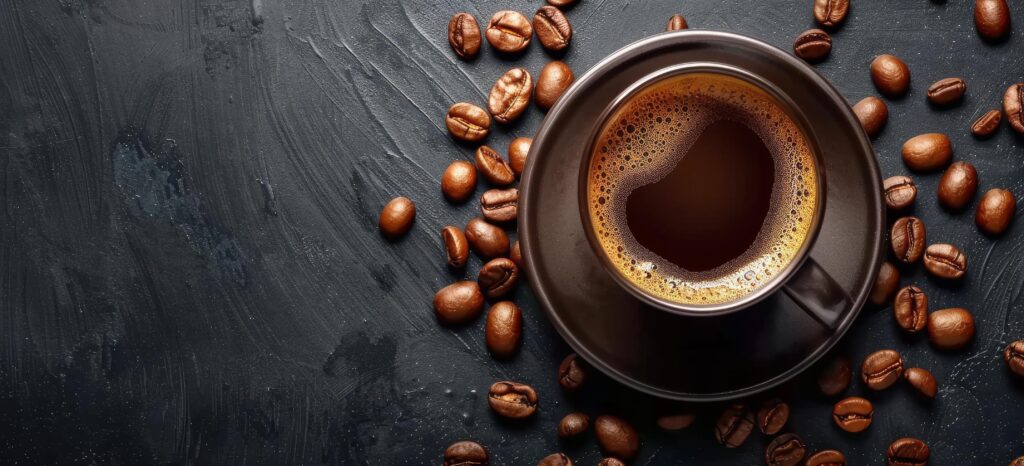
818,294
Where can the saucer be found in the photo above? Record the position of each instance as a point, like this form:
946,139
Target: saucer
682,357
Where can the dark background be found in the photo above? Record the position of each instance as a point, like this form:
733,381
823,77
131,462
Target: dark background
191,271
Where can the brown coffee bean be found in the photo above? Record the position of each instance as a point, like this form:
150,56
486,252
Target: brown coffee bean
872,113
927,152
466,453
826,458
512,400
464,35
397,217
500,205
676,23
900,192
1018,462
561,3
886,283
504,329
945,261
992,19
830,13
516,255
555,459
987,124
572,373
518,150
950,329
573,424
911,309
612,461
890,75
494,168
734,426
834,377
922,380
947,91
881,369
616,437
676,421
995,211
1013,106
458,303
772,416
498,277
458,181
487,240
510,95
958,185
907,452
908,237
467,122
785,450
456,247
1014,356
813,45
509,31
554,79
853,414
553,29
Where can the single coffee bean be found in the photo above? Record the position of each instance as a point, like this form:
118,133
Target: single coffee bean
494,168
945,261
554,79
785,450
397,217
950,329
853,414
881,369
908,238
555,459
458,181
922,380
872,113
676,421
616,437
772,416
911,309
611,462
834,377
927,152
516,255
900,192
562,3
509,31
826,458
1013,106
676,23
504,329
907,452
466,453
1014,355
512,400
987,124
467,122
498,277
995,211
958,185
510,95
572,373
947,91
734,426
992,19
487,240
553,29
464,35
456,247
890,75
573,424
1018,462
886,283
458,303
500,205
518,150
813,45
830,13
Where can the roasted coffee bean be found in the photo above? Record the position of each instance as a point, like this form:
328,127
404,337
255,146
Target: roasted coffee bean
947,91
900,192
872,113
573,424
397,217
834,377
890,75
456,247
510,95
467,122
908,238
572,373
734,426
907,452
616,437
1013,106
1018,462
830,13
826,458
504,329
886,283
772,416
512,400
676,23
785,450
987,124
555,459
676,421
853,414
500,205
958,185
554,79
610,461
995,211
516,255
813,45
881,369
466,453
494,168
922,380
498,277
950,329
945,261
1014,356
487,240
458,181
458,303
911,309
927,152
464,35
518,150
509,31
992,19
553,29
